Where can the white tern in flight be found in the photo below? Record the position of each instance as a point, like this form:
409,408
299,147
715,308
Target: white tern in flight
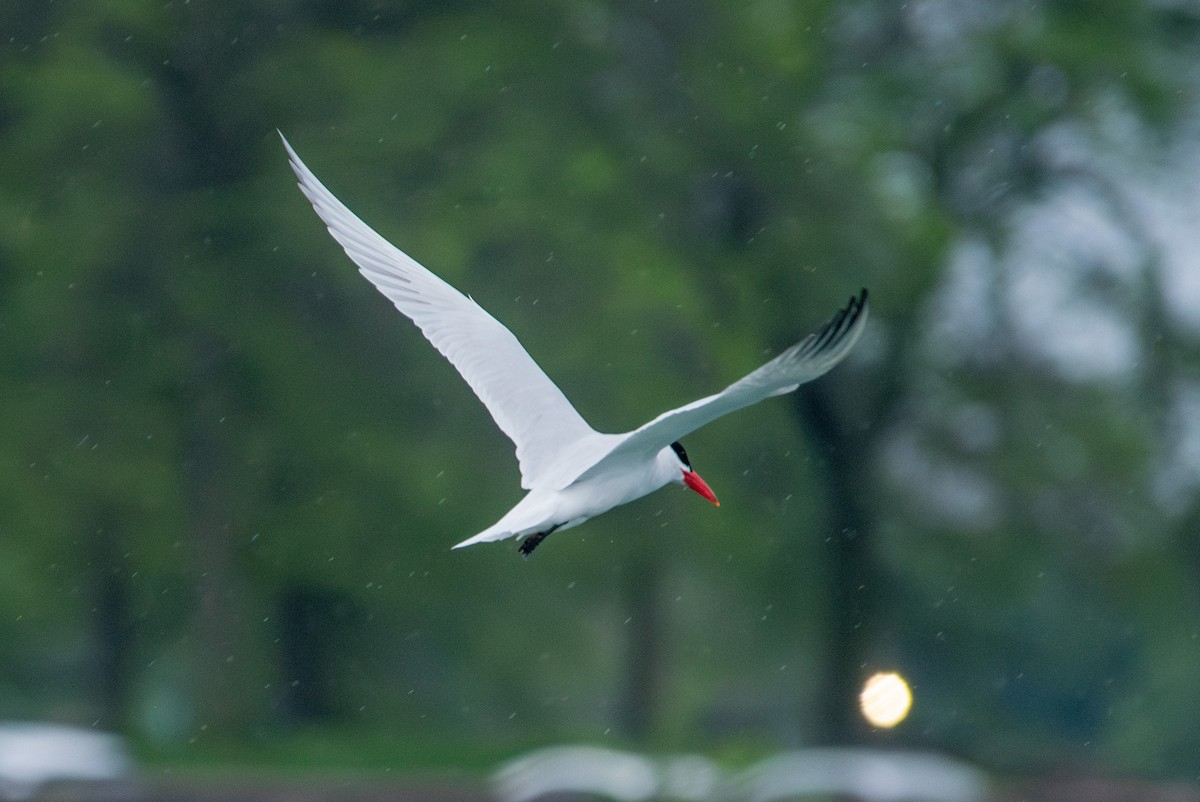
572,472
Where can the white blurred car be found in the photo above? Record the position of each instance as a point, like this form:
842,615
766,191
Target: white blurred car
33,755
870,775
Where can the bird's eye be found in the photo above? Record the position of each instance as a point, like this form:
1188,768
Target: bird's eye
677,447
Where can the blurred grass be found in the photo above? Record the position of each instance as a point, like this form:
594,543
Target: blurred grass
326,750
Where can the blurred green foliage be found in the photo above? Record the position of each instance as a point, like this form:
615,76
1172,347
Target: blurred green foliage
232,473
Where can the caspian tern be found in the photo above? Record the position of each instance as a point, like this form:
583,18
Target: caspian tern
572,472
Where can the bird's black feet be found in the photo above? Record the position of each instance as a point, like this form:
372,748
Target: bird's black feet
530,543
533,541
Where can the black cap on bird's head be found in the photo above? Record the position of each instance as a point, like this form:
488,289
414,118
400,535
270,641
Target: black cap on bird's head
677,447
691,478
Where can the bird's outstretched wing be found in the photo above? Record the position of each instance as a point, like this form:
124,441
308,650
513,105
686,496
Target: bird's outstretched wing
806,360
525,404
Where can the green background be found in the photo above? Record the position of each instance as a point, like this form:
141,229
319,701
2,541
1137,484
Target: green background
231,472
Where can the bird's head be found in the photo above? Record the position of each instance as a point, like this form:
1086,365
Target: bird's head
689,477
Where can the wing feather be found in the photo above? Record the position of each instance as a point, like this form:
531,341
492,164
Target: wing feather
808,359
525,404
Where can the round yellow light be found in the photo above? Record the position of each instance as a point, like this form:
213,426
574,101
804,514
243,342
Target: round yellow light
885,699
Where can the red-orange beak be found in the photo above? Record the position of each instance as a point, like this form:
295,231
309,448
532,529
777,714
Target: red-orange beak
693,480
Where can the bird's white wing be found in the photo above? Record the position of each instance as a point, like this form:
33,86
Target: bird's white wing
525,404
806,360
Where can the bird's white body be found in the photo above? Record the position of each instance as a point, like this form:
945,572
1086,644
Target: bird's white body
546,508
571,471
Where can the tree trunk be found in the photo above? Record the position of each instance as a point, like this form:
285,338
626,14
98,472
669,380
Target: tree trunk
110,624
643,664
209,525
852,586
